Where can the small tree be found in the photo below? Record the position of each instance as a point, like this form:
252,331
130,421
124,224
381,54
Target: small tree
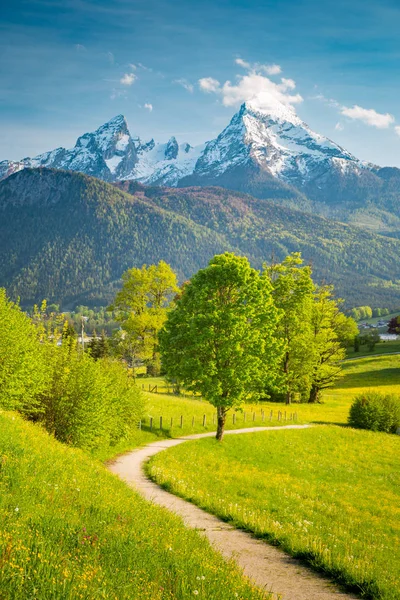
370,339
394,325
142,308
219,339
332,331
293,290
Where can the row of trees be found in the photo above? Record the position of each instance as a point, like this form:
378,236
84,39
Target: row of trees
233,333
366,312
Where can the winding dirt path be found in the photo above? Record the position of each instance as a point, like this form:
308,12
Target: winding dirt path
267,566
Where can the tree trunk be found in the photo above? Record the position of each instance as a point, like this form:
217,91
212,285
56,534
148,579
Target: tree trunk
286,371
221,417
314,395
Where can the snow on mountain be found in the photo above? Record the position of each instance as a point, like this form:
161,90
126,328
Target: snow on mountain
164,164
111,153
276,143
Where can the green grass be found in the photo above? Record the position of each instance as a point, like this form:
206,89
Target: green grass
71,530
361,374
329,495
380,348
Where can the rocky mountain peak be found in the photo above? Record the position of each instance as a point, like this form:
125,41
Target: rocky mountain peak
172,149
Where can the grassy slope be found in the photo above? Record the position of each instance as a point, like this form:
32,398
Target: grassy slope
380,348
71,530
309,491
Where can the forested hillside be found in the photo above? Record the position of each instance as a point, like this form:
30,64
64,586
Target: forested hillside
68,237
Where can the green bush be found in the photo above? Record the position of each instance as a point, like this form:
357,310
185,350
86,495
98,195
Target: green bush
375,411
81,401
89,403
23,371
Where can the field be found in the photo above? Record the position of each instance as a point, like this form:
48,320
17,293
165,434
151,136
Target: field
380,348
71,530
309,491
361,374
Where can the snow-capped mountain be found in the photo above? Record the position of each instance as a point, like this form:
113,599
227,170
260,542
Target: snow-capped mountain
277,144
269,154
110,153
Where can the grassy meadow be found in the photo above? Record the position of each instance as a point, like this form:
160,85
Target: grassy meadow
330,495
71,530
380,348
369,372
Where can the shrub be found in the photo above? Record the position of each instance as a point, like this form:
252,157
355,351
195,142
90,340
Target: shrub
81,401
23,370
375,411
89,403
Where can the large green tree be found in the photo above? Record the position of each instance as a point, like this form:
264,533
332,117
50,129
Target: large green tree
293,290
219,339
141,307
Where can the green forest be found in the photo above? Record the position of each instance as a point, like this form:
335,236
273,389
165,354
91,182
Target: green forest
68,237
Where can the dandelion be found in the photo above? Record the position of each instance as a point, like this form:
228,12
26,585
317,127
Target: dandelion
16,509
195,592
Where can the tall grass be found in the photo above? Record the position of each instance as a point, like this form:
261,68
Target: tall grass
330,495
71,530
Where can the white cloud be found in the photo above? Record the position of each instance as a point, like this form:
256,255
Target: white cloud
80,48
209,85
397,129
243,63
263,93
255,87
339,127
258,89
369,116
128,79
185,84
271,69
148,106
259,67
289,83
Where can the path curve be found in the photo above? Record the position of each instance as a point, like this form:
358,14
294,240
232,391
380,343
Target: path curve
267,566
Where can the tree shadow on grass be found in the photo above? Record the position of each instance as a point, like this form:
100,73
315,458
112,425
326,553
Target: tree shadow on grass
376,379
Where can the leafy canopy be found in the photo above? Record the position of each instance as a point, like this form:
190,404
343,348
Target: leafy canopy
219,340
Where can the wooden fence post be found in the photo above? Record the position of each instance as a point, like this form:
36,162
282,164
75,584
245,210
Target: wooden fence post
204,420
234,418
171,421
192,421
271,415
160,422
244,417
151,423
181,421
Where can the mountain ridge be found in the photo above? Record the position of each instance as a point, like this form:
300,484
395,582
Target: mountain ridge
271,155
68,237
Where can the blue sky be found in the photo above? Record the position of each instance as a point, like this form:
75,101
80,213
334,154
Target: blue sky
68,66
